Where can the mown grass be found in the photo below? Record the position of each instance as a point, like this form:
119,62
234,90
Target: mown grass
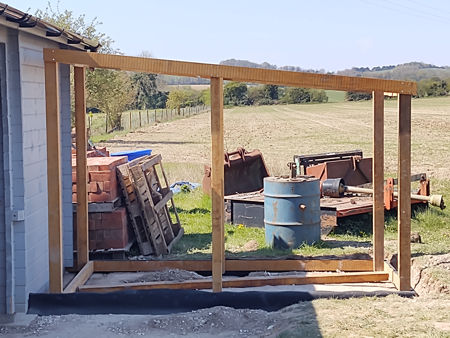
352,236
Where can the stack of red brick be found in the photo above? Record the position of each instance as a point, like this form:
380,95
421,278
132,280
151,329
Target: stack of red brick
107,230
102,179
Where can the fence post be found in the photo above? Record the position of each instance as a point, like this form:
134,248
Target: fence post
106,123
140,119
148,121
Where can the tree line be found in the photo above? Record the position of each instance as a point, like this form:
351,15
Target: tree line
433,87
241,94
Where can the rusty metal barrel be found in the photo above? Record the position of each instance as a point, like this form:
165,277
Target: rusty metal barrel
291,211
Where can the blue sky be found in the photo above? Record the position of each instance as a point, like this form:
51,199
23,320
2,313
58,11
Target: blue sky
327,34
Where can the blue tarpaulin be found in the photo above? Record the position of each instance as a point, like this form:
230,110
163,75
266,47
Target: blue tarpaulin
176,187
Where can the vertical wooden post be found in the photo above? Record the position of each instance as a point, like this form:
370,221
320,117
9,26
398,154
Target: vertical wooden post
54,177
130,121
404,191
377,181
217,183
140,119
82,179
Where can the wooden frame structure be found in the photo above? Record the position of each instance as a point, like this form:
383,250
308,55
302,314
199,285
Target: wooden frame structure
359,270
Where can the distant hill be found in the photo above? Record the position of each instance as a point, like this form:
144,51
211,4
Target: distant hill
266,65
414,71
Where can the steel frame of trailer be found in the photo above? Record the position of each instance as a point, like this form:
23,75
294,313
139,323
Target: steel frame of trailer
360,270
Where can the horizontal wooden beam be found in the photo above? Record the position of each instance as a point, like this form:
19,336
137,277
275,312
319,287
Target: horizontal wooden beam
232,73
308,278
80,278
238,265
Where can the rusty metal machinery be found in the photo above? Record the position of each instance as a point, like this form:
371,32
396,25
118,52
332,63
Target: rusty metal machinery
336,188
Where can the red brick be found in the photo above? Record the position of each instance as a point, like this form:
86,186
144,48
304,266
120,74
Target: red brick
93,187
100,197
105,163
109,186
99,152
74,176
74,198
102,176
107,230
115,220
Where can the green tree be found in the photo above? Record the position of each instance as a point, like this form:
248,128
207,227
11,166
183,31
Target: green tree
263,95
271,92
177,99
205,97
235,94
148,94
432,87
107,90
67,20
145,89
296,95
357,96
319,96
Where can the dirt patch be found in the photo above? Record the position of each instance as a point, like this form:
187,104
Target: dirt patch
250,246
173,275
431,274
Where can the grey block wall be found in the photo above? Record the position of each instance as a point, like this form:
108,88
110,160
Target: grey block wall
15,149
24,244
35,165
2,186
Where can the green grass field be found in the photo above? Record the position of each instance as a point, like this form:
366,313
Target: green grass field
335,96
351,237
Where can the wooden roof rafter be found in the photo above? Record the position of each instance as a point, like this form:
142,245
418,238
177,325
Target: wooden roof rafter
231,73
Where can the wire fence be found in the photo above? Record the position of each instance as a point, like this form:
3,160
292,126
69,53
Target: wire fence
133,119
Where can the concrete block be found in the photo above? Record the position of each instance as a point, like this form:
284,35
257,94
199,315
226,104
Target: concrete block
20,279
33,89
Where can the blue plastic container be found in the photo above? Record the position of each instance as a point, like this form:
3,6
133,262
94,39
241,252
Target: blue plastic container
291,211
133,154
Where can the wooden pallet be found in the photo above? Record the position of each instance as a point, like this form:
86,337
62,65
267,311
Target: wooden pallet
134,210
154,181
147,200
144,197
